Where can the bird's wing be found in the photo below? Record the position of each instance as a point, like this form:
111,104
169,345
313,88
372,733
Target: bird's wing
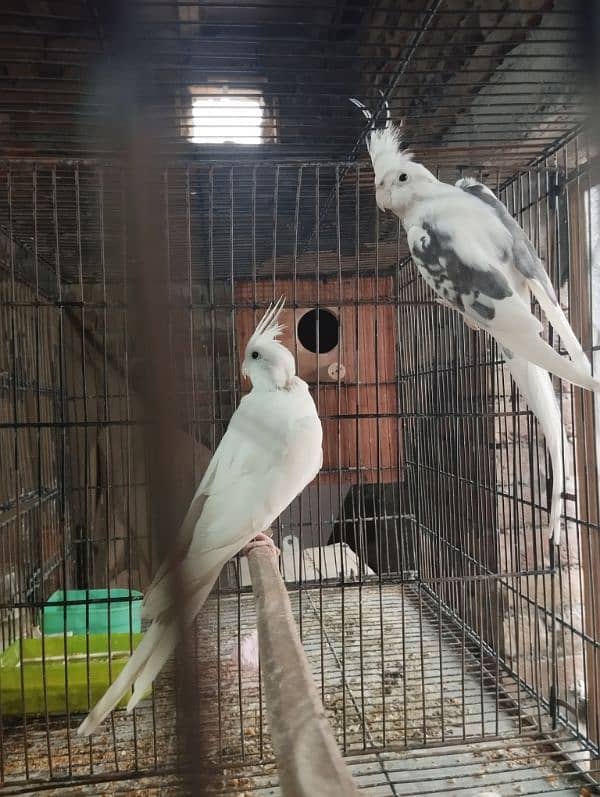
186,531
525,258
466,270
467,267
261,465
527,262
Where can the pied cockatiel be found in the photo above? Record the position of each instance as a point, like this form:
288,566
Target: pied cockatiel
271,450
478,260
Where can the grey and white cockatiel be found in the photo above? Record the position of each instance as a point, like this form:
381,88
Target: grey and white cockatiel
478,260
271,450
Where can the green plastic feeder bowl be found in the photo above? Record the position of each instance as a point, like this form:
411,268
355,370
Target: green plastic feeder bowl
86,616
36,677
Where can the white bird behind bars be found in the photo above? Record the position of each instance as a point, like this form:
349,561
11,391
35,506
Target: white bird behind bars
271,450
478,260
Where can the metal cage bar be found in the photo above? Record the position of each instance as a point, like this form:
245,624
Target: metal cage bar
421,577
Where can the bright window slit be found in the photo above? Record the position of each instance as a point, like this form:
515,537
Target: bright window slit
220,120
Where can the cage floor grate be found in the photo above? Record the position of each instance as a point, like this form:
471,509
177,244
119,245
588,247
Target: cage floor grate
423,697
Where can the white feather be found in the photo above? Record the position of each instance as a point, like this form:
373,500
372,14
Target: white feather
536,388
517,329
559,321
268,328
385,152
269,453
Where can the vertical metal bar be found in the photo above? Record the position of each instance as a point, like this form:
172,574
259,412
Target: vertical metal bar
15,454
402,382
231,173
554,246
294,304
66,552
84,401
147,250
215,397
105,415
360,532
319,406
38,379
275,214
521,650
338,250
364,563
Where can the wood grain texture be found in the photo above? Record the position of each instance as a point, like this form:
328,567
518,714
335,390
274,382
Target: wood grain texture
308,759
359,414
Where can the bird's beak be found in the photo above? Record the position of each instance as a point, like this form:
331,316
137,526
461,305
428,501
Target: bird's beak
379,198
244,371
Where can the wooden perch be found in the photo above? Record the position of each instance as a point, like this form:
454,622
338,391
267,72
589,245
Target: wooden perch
308,758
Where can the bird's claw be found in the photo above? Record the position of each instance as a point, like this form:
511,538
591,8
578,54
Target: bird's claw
260,541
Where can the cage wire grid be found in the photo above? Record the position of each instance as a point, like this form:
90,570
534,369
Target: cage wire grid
453,629
450,649
504,83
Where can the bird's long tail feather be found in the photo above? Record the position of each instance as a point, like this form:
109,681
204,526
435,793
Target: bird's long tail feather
160,655
536,350
536,388
123,681
154,664
559,321
154,650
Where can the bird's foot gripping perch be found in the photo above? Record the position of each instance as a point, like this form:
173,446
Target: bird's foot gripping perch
260,541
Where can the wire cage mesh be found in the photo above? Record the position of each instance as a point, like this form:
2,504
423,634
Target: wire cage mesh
451,644
428,600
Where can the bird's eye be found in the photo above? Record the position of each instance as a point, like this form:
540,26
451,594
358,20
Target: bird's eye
402,178
255,355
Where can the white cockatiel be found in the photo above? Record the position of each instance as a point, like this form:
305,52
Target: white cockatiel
478,260
271,450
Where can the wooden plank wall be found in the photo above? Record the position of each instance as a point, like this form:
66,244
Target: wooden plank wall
361,427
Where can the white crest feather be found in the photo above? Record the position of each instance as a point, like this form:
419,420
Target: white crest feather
268,328
385,152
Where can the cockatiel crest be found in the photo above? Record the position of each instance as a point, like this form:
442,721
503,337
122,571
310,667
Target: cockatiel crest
268,328
396,173
386,154
383,142
267,362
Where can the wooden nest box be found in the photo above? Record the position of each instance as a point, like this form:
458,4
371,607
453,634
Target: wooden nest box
343,335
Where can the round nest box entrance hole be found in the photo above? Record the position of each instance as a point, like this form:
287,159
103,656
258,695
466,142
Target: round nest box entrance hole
319,331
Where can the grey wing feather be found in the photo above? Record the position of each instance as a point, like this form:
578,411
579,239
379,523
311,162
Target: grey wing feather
527,262
525,258
496,305
469,289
